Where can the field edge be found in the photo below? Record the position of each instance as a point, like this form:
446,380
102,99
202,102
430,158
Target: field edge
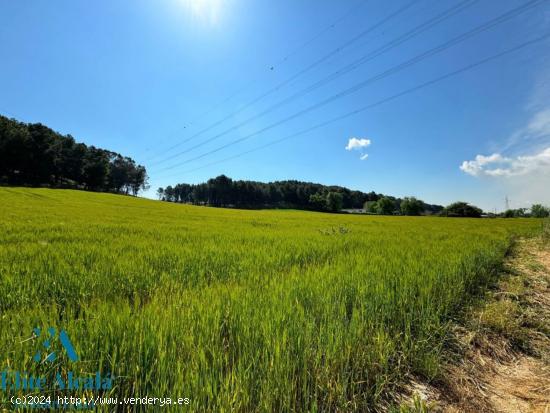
497,356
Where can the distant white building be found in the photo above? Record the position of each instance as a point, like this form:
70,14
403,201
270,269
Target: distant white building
354,211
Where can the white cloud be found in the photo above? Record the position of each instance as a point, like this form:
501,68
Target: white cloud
476,167
534,135
355,143
496,165
358,144
519,167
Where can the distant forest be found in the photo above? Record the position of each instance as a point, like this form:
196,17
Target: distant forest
222,191
32,154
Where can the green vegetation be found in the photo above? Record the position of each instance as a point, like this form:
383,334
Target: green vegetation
515,213
237,310
383,206
32,154
540,211
536,211
223,191
412,206
332,201
461,209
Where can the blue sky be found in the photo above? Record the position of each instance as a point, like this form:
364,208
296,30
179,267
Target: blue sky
140,77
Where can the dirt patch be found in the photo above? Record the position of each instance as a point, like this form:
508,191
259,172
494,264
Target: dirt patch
544,257
499,358
521,386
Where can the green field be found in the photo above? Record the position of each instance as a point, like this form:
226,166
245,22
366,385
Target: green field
237,310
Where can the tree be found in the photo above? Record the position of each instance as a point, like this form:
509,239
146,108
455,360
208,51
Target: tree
119,173
15,141
220,190
334,201
42,152
139,179
539,211
74,163
160,193
515,213
411,206
169,194
461,209
385,206
33,154
318,201
182,192
96,169
371,207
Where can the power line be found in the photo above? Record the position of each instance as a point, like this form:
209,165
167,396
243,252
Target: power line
321,33
379,102
438,49
340,72
295,76
284,59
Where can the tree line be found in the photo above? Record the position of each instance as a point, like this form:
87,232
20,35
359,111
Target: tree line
32,154
413,206
223,191
536,211
463,209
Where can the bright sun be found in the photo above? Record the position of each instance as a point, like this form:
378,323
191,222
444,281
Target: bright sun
207,10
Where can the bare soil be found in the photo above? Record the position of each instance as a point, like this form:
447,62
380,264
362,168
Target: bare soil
499,358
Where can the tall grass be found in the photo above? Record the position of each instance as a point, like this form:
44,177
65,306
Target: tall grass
237,310
545,229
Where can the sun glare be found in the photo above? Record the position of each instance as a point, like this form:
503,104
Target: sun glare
206,10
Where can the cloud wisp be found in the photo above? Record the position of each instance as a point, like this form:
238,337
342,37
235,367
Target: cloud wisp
358,144
536,131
